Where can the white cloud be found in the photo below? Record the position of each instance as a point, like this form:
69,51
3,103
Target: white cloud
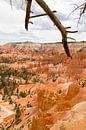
43,30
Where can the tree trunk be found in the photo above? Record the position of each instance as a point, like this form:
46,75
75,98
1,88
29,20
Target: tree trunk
27,17
58,24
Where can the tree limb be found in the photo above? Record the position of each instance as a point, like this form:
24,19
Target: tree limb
71,38
72,31
39,15
27,17
58,24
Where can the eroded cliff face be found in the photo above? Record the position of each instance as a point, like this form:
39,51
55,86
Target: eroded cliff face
59,108
49,86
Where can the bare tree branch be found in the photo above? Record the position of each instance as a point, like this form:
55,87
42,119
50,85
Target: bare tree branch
40,15
71,38
78,7
58,24
82,9
27,17
72,31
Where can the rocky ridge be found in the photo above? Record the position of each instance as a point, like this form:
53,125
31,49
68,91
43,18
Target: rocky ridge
47,89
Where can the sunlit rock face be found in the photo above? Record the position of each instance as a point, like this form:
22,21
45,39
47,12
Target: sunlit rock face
50,87
63,108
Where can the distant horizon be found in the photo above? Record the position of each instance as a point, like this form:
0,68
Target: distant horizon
33,42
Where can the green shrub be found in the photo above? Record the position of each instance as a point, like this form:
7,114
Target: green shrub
23,94
84,83
29,105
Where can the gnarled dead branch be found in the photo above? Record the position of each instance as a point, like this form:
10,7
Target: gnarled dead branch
54,19
28,8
